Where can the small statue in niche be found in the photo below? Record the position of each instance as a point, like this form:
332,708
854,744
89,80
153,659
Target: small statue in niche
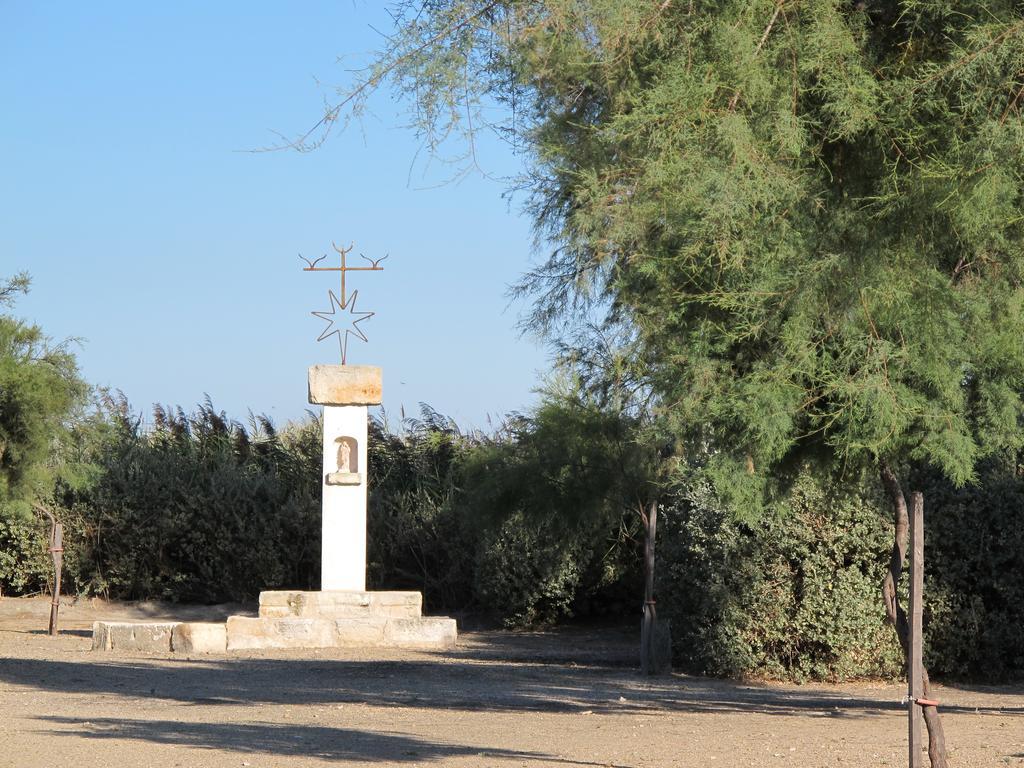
347,458
344,457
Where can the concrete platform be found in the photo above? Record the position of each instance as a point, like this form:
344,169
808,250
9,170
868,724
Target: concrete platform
293,619
430,633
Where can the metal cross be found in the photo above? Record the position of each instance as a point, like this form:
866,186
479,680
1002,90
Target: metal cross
374,267
347,301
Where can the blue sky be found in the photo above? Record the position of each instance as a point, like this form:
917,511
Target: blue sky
171,252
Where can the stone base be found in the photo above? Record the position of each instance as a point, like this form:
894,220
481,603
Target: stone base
340,605
293,619
428,633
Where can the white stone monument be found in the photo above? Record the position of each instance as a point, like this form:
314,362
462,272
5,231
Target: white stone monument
344,391
342,614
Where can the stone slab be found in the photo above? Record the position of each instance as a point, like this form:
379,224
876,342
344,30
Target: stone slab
337,604
430,632
148,637
345,385
199,637
361,633
247,633
344,478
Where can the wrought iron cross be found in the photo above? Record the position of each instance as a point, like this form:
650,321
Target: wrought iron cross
347,302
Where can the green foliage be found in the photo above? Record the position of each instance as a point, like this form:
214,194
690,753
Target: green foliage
39,388
197,508
418,535
24,564
571,462
810,214
974,586
529,573
39,385
564,490
527,526
11,287
793,595
518,525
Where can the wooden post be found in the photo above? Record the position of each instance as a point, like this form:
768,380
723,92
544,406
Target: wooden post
915,688
648,626
57,552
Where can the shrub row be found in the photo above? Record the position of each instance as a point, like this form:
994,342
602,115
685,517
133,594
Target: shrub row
199,508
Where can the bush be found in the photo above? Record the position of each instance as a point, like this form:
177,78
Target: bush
24,562
418,536
200,508
530,574
974,583
196,509
447,516
796,595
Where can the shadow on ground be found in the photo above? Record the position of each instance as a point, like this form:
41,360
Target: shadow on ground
307,741
444,684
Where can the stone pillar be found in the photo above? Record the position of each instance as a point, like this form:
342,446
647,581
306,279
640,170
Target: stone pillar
344,391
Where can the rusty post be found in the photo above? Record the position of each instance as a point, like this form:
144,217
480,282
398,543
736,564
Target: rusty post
915,683
57,553
56,550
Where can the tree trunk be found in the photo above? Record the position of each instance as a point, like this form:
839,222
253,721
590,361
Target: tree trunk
898,617
648,627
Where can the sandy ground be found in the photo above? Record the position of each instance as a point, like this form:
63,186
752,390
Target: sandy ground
566,698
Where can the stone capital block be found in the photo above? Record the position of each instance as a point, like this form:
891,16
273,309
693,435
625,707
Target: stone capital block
345,385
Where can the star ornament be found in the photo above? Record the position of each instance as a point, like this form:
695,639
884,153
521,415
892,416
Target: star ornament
333,318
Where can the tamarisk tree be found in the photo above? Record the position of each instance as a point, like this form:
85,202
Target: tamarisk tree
39,385
810,211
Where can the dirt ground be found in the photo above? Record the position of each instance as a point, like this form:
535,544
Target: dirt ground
565,698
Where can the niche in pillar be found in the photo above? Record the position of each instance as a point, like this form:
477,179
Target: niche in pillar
348,463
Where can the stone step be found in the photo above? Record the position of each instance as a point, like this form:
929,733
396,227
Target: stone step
426,633
199,637
340,605
150,637
159,637
292,619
